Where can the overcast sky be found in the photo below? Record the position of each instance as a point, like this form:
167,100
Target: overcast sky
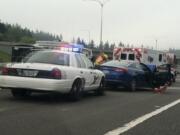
130,21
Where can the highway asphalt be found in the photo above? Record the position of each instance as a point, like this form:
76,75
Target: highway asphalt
52,114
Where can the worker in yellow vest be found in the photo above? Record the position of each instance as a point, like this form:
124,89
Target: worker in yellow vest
101,59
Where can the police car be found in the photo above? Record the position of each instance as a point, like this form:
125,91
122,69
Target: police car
64,69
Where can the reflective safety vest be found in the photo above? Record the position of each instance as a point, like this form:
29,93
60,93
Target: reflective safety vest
101,59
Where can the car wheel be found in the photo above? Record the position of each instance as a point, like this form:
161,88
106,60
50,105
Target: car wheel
100,90
132,86
20,93
174,79
76,91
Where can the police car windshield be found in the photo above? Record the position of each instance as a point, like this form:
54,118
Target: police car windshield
56,58
116,63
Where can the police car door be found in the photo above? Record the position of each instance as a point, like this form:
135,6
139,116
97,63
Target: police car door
84,72
93,77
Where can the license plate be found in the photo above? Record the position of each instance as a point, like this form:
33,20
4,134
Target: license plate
30,73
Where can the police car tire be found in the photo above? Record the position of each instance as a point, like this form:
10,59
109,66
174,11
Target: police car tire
100,90
20,93
76,90
132,86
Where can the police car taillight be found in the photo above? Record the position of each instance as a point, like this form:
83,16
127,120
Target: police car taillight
4,71
56,73
8,71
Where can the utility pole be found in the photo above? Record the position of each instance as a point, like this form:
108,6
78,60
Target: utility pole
101,3
156,43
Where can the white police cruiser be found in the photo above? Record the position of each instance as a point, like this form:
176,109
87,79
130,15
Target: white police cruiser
63,69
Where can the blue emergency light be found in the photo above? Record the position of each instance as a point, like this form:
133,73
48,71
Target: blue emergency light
71,47
77,48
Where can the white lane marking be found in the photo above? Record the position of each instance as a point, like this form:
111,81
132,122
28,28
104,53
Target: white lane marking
157,106
177,80
174,88
141,119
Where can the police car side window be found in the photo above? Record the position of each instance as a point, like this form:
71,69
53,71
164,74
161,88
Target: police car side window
80,61
90,65
88,62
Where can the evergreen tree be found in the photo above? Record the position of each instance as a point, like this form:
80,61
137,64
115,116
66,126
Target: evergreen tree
78,40
101,46
112,46
91,44
106,46
121,44
61,37
83,43
3,28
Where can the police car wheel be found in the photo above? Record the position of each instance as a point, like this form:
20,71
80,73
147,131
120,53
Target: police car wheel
20,93
100,90
76,91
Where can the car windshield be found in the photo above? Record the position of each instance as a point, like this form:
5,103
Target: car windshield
49,58
116,63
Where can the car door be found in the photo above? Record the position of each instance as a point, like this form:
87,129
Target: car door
137,73
82,68
162,74
85,73
148,75
140,74
92,75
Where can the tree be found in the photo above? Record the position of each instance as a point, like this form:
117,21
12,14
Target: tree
15,33
106,46
2,28
91,44
83,43
121,44
101,46
78,40
112,46
61,37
